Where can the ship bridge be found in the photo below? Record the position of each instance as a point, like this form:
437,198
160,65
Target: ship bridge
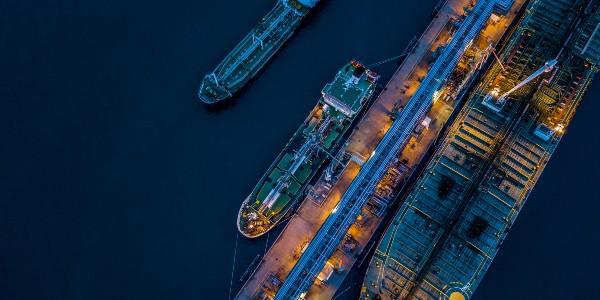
335,227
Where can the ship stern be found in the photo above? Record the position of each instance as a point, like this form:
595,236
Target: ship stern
211,91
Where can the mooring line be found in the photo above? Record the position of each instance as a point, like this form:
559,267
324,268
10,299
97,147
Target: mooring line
266,244
237,236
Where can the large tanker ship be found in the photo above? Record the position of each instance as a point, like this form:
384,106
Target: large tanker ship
254,51
318,137
452,223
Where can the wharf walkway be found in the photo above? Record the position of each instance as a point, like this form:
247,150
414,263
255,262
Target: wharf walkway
302,227
323,245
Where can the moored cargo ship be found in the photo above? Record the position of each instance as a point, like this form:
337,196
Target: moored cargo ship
319,136
452,223
254,51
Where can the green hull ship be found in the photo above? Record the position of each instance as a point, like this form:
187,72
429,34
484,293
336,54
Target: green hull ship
254,51
320,135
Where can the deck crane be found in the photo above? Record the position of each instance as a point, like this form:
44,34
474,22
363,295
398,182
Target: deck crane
495,103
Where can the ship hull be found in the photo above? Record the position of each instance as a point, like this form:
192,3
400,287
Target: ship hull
322,133
253,52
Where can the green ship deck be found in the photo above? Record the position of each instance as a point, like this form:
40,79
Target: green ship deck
318,137
254,51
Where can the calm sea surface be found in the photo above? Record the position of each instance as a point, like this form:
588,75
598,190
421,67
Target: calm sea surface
116,183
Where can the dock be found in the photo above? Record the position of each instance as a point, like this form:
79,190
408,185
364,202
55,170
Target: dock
304,225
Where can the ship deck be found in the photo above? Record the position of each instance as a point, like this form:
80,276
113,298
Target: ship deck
450,227
253,51
304,154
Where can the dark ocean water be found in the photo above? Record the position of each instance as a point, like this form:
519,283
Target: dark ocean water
116,183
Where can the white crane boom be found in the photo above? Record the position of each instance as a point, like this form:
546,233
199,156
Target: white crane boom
547,67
